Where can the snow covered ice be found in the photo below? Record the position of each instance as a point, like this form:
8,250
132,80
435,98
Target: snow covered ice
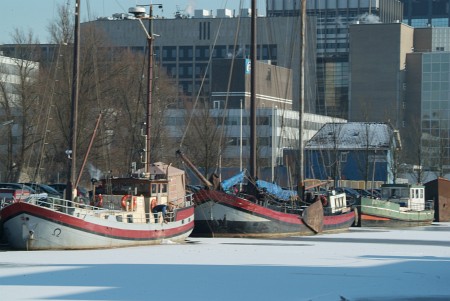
362,264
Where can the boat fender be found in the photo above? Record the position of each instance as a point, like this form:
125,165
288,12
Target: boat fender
324,200
127,199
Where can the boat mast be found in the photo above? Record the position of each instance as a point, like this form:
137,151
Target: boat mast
253,166
72,151
149,93
301,181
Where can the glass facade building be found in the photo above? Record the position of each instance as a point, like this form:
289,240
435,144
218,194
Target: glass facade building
426,13
435,109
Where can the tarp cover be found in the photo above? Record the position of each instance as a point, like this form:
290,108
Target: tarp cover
229,183
276,190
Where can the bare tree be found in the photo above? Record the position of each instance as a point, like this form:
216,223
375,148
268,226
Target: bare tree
205,140
20,102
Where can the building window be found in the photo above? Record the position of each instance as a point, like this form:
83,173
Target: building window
220,51
169,53
202,53
204,30
217,104
185,71
185,53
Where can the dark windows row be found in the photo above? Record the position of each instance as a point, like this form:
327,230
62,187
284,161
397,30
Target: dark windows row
425,7
202,53
186,70
332,31
332,45
188,88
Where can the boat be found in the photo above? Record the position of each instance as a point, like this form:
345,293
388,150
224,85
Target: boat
122,212
262,209
400,205
244,206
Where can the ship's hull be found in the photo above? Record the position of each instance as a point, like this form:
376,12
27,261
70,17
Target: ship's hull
382,213
32,227
218,214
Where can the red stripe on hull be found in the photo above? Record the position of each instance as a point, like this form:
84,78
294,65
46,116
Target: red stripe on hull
338,222
245,205
373,218
78,223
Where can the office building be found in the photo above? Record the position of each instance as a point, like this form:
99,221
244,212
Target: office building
401,75
428,92
333,19
185,47
426,13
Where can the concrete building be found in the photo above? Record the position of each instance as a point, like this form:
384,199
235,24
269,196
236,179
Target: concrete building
185,47
230,84
406,74
277,123
333,20
377,68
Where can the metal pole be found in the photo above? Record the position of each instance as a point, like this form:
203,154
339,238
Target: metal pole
240,145
74,109
253,166
149,95
274,131
301,181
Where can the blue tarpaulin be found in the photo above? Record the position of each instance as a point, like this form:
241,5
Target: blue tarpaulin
276,190
229,183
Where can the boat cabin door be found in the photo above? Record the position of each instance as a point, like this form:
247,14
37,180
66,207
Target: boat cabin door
159,190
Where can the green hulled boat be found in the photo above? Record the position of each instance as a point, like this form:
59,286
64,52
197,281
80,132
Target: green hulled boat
400,205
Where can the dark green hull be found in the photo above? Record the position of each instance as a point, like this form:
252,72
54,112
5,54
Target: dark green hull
383,213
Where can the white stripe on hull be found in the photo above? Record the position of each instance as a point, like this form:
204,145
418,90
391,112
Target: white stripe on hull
33,233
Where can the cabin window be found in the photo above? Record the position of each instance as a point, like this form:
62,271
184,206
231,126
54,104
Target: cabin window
154,188
163,188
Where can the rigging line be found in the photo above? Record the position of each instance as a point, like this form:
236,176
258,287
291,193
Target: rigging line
94,56
49,110
35,124
236,36
269,26
36,129
225,112
191,116
291,46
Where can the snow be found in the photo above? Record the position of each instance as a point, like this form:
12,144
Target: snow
362,264
352,136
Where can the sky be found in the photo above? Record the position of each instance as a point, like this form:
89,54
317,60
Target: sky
364,264
36,15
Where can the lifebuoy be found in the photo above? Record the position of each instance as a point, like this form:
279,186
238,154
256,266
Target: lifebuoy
97,201
127,199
